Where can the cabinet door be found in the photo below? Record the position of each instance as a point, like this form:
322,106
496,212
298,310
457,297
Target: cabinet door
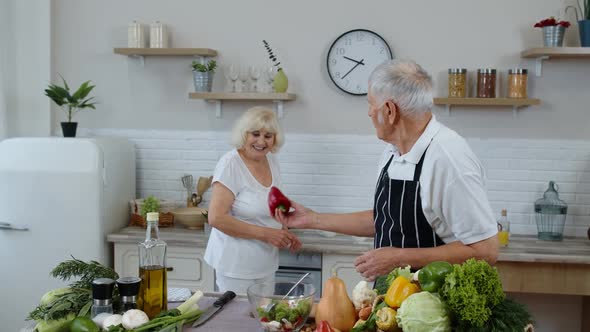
343,265
186,267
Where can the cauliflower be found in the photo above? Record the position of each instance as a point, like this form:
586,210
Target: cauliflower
363,295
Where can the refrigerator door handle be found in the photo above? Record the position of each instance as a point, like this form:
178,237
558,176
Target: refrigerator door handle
10,227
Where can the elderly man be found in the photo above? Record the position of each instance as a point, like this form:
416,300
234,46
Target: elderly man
430,201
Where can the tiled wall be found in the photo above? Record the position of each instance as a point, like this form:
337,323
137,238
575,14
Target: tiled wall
336,173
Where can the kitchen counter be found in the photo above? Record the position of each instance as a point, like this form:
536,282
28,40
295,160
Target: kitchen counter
313,241
521,248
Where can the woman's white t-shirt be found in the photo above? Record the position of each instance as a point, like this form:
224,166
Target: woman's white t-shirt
236,257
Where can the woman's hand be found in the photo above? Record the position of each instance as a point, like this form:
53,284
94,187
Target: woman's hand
282,238
299,217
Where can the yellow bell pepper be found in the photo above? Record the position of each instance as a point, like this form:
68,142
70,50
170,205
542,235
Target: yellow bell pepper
399,290
386,320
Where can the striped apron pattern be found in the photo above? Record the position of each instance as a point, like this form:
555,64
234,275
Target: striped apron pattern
397,213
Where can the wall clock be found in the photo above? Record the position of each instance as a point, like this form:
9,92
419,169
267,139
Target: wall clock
353,56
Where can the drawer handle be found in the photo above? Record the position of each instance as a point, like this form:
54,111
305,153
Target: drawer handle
170,268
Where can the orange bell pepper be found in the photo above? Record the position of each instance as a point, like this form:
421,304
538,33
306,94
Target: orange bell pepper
399,290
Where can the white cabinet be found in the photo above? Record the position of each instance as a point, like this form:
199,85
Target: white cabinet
343,265
185,265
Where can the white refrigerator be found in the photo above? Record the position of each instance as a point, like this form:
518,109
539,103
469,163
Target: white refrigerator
59,197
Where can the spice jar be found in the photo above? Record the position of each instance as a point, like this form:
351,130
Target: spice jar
457,82
102,296
128,290
486,83
517,83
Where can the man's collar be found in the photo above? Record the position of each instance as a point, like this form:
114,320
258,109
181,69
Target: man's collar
413,156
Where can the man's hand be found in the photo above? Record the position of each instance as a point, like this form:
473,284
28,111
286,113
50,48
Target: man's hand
299,217
378,262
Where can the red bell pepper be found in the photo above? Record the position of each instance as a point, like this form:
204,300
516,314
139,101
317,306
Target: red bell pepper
276,199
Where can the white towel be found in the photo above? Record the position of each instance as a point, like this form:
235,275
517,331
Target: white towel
178,294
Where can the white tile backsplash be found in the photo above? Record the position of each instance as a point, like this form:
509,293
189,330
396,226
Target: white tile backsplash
336,173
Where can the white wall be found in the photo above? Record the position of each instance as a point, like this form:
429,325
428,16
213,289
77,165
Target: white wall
437,34
26,43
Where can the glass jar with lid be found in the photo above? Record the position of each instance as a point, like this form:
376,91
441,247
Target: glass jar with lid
486,83
457,82
517,83
550,213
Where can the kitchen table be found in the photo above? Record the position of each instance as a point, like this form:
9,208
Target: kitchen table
235,316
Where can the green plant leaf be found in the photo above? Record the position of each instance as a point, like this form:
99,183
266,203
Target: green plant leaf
71,103
83,91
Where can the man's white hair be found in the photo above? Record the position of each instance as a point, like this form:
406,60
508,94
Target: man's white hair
406,83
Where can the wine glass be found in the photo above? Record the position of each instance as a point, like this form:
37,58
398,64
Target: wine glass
244,78
255,75
270,74
231,73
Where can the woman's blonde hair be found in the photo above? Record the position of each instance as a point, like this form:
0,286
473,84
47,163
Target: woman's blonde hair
257,118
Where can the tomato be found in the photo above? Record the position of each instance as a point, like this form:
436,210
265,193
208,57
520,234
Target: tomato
83,324
324,326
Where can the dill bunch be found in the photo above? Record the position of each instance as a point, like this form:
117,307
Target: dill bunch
508,316
77,298
85,271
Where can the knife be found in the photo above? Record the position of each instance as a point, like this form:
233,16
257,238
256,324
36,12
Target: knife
217,305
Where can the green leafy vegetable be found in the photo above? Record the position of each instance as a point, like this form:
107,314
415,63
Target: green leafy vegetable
75,299
383,282
423,312
282,310
508,316
471,290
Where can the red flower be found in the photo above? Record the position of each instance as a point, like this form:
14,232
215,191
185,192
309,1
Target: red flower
551,22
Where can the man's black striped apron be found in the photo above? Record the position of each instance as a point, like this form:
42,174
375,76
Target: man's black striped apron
397,213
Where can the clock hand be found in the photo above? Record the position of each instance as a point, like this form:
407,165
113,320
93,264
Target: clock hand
353,60
351,69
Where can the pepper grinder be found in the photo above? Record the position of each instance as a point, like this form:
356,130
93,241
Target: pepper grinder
102,296
128,290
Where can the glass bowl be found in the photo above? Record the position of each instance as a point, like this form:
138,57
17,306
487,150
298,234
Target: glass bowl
289,314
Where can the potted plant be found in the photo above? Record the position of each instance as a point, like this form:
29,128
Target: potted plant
280,81
553,31
70,103
150,204
203,75
583,7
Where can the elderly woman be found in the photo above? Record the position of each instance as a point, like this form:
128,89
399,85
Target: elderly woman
244,243
430,203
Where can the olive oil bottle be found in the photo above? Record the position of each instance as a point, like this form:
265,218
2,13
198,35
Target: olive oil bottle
153,291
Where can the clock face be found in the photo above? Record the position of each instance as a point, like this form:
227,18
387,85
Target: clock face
352,58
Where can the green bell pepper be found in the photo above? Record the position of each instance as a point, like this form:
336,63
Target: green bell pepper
432,276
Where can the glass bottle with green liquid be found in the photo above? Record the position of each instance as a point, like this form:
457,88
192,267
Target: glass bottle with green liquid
153,293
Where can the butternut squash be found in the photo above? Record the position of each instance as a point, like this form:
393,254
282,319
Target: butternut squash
335,306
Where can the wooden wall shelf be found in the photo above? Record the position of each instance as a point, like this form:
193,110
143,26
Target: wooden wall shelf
514,102
546,53
140,53
219,97
557,52
241,96
166,51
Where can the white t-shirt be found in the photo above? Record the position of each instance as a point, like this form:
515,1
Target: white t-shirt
452,184
236,257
